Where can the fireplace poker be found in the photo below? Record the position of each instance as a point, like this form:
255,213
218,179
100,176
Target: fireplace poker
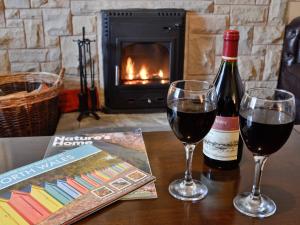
93,93
80,66
90,62
82,96
84,59
84,48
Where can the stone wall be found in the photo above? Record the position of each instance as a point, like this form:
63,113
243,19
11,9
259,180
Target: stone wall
261,24
37,35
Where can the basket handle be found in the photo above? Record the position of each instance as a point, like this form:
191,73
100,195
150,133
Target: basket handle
60,77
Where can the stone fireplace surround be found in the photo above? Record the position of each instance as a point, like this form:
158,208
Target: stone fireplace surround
37,35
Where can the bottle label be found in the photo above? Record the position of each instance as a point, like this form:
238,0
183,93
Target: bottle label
221,143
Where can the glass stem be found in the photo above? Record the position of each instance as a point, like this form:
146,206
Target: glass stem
189,150
259,165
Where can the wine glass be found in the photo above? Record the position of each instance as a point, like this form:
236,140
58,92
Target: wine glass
191,113
266,122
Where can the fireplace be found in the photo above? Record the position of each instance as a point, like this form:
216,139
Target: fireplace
142,53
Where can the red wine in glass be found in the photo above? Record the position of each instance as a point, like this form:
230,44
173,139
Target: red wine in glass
190,119
262,131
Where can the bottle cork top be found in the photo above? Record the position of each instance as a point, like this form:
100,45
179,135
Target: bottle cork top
231,35
230,46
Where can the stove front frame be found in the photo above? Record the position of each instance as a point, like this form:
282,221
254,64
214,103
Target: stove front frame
140,25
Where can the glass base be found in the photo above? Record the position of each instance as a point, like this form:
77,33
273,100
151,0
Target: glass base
187,191
254,207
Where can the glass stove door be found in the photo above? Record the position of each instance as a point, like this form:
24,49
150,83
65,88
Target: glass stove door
144,63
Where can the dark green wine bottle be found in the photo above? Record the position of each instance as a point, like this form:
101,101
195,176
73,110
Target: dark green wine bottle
223,146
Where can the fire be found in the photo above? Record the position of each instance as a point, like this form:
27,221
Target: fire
160,73
143,73
130,69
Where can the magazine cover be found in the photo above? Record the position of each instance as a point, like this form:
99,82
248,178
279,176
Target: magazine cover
66,187
129,146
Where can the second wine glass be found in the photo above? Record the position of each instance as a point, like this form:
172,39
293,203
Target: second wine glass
191,113
266,121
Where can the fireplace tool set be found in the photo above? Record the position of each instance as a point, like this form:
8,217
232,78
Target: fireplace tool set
85,61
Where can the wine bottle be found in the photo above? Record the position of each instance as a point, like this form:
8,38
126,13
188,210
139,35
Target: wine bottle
223,146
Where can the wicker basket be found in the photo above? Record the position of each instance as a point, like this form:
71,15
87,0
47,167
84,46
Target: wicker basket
29,104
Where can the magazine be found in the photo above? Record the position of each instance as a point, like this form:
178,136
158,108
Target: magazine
66,187
129,146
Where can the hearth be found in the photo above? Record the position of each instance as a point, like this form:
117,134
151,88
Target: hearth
142,53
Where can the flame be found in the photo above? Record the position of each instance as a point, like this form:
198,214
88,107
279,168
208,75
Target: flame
130,69
143,73
160,73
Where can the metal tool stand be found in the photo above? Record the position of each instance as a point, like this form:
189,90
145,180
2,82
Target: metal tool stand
85,60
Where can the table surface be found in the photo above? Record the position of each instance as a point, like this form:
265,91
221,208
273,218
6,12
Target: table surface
280,181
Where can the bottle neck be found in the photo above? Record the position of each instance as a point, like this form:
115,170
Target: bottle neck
227,68
230,50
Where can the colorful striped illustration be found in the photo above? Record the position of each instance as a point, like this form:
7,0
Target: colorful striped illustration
62,184
76,185
117,168
35,203
101,176
39,194
27,207
57,193
90,181
9,216
84,183
94,178
124,165
111,171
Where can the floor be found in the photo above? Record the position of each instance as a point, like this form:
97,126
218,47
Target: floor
117,122
113,122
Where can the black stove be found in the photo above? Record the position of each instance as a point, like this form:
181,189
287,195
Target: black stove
143,51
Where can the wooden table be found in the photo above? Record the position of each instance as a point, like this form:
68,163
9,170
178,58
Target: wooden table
281,181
